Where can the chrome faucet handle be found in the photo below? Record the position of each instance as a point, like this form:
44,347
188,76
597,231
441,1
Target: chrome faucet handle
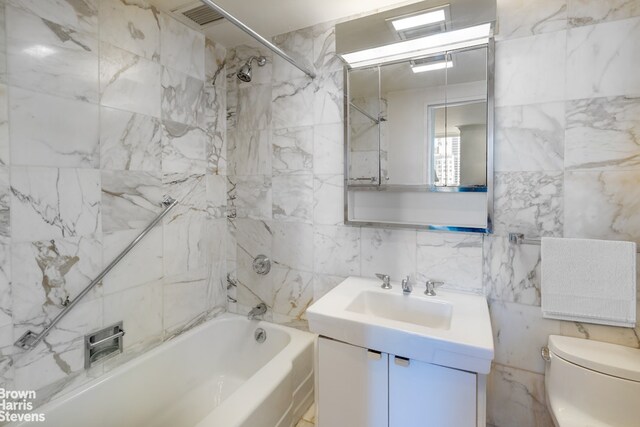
385,280
431,287
406,286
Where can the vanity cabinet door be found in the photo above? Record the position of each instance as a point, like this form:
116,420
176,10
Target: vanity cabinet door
425,395
352,386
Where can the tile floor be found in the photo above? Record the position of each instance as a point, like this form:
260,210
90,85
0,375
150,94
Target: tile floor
309,417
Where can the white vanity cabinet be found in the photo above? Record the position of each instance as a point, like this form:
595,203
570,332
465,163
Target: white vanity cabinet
364,388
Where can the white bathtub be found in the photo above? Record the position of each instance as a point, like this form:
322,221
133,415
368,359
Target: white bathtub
214,375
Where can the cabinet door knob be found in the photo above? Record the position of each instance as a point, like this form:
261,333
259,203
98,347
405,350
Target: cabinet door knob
401,361
374,355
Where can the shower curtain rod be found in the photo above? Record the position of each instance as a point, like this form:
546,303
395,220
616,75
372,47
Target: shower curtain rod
258,37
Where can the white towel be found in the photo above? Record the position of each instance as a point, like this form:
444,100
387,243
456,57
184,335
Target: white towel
591,281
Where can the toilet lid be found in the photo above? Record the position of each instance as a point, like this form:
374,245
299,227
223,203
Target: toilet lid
616,360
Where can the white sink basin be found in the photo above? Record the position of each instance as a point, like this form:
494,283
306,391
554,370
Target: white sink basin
451,329
420,311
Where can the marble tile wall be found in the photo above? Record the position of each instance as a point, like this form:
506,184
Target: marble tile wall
112,105
566,164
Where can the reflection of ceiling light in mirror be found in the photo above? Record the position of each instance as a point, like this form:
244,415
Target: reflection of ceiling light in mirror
431,67
418,20
451,40
39,51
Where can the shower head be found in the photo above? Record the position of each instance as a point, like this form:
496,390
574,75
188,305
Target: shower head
244,73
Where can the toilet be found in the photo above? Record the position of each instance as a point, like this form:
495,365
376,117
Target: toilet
592,384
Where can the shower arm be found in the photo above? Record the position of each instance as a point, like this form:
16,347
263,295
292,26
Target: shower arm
275,49
30,339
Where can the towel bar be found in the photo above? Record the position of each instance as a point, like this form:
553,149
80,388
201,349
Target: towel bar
520,239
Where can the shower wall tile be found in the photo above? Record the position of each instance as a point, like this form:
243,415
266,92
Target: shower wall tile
251,196
48,203
511,272
50,271
182,98
529,203
142,265
3,46
129,82
336,250
516,398
181,47
453,259
184,148
50,131
130,199
588,12
530,137
531,69
292,293
133,26
129,141
323,283
5,204
298,44
216,195
292,150
63,353
249,152
184,300
293,197
215,56
391,252
186,245
328,149
190,190
602,59
324,49
292,103
51,58
140,310
520,18
292,245
4,126
5,287
329,98
601,133
75,16
602,205
509,322
328,199
253,108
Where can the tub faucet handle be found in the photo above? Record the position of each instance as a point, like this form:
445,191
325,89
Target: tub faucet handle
386,280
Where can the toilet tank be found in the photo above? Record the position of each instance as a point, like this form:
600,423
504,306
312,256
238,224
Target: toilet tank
590,383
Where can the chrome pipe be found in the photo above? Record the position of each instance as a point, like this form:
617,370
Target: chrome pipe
275,49
29,339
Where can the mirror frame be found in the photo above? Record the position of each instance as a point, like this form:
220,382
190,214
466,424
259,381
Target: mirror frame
426,188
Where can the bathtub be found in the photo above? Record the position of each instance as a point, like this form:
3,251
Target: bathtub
216,374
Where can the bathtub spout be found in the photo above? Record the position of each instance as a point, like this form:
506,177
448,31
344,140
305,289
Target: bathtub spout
258,310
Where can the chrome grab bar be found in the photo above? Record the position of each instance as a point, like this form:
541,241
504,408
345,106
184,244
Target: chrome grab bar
30,339
104,340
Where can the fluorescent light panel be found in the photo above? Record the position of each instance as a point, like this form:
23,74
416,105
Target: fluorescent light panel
451,40
431,67
419,20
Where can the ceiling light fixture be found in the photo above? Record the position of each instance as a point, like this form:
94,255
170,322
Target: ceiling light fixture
418,20
441,42
431,67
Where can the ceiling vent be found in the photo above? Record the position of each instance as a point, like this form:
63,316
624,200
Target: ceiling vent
197,14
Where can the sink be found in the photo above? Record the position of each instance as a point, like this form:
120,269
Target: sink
433,314
450,329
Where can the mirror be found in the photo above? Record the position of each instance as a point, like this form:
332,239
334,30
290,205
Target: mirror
419,116
409,127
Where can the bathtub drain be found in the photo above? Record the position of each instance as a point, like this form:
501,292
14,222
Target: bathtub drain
260,335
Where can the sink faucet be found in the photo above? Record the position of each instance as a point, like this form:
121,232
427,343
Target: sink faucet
406,286
385,280
431,287
258,310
